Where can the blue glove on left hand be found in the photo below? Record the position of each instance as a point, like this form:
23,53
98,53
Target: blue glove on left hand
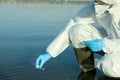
95,45
41,60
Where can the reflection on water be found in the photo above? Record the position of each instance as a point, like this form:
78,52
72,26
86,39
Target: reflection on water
25,31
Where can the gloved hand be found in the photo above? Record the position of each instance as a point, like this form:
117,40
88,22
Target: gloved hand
95,45
41,60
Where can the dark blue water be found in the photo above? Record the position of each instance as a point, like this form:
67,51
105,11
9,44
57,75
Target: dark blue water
25,32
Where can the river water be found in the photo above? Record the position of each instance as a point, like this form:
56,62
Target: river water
25,31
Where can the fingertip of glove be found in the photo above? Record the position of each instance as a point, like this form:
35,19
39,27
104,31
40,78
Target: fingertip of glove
37,67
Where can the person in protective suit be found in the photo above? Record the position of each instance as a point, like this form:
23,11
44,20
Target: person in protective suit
88,38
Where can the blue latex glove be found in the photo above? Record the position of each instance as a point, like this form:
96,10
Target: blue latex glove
41,60
95,45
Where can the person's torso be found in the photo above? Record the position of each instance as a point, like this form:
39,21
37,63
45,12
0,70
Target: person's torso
109,19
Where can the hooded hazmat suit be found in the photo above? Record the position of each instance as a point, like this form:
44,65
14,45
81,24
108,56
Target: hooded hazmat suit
83,27
110,21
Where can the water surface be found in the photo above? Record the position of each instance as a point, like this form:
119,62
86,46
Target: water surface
25,32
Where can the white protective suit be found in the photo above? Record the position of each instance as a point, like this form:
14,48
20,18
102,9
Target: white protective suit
82,28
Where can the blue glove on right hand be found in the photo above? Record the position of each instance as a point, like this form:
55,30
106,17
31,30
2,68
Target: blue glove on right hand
95,45
41,60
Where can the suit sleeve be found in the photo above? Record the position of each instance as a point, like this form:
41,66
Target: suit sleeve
61,42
